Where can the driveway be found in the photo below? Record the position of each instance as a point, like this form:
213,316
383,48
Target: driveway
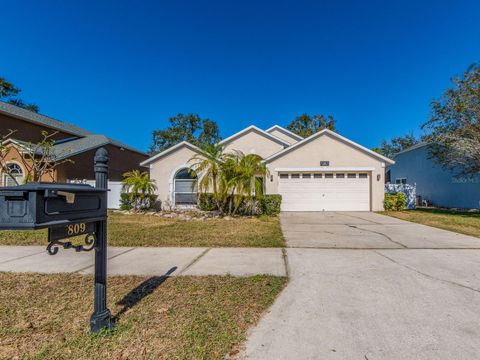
367,286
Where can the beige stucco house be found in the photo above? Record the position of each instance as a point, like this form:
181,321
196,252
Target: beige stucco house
324,172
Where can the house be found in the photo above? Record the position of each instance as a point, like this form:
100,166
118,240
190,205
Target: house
324,172
71,142
435,184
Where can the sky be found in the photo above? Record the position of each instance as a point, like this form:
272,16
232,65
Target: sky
122,68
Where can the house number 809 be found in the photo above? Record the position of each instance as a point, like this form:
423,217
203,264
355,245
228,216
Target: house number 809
75,229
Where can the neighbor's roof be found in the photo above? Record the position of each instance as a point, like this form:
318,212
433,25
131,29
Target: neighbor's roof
413,147
334,134
170,150
58,125
285,131
258,130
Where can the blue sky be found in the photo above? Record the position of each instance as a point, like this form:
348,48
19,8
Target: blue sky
121,68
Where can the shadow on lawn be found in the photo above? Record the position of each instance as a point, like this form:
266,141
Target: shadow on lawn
142,290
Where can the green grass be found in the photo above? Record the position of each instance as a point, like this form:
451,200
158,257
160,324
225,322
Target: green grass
147,230
462,222
47,316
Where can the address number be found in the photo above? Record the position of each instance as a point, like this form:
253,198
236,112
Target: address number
76,229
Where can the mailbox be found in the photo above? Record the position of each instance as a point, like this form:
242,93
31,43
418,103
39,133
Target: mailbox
45,205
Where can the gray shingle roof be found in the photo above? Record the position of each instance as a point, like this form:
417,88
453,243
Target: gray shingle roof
54,124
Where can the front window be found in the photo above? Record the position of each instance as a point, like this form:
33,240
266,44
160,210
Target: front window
185,187
13,175
402,181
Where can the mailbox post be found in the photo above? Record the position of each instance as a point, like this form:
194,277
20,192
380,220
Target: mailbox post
67,210
101,317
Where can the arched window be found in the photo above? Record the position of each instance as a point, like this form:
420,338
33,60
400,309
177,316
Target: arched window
185,187
12,171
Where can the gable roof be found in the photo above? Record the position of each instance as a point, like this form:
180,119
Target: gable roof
285,131
335,135
170,150
38,119
256,129
413,147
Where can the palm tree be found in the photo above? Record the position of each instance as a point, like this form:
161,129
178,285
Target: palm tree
207,165
139,186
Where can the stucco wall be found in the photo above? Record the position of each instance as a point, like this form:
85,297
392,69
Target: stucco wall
281,135
163,169
435,184
253,142
339,154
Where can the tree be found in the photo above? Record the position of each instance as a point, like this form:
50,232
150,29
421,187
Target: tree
396,144
454,125
8,93
189,128
139,187
306,125
233,177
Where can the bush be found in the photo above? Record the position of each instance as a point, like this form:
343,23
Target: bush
206,202
128,201
262,205
271,204
395,202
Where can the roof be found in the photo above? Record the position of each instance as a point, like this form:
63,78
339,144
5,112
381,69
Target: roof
258,130
58,125
334,134
285,131
413,147
170,150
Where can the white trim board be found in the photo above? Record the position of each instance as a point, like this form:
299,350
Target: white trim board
324,169
285,131
258,130
169,150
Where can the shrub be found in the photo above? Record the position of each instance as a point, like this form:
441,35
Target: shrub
395,202
271,204
262,205
206,202
128,201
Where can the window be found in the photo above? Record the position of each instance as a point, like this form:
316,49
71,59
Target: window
340,176
362,176
351,176
328,176
295,176
401,181
283,176
317,176
185,187
306,176
14,171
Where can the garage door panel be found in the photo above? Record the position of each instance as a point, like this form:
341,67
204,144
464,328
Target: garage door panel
325,194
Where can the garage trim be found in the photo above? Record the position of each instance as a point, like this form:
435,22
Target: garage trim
324,169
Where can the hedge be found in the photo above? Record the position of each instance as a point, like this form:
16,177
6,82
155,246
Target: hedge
261,205
395,202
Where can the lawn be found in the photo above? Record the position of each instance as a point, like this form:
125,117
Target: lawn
147,230
47,316
462,222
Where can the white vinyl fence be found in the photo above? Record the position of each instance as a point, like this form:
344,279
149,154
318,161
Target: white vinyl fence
114,187
410,192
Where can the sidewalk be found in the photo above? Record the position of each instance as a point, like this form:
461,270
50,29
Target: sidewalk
148,261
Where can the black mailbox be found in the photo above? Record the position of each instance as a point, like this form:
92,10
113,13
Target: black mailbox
42,205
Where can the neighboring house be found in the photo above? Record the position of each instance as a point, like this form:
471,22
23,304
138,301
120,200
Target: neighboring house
435,184
71,142
324,172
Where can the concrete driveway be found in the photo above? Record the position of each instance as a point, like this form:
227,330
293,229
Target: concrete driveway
367,286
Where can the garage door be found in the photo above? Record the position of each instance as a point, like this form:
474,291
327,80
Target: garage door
325,191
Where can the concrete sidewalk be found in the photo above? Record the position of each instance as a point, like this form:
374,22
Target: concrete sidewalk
148,261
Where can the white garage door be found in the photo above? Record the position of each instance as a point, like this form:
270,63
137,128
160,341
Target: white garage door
325,191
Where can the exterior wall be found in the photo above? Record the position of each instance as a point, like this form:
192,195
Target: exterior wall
163,170
254,143
120,162
25,130
14,156
281,135
439,186
340,154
